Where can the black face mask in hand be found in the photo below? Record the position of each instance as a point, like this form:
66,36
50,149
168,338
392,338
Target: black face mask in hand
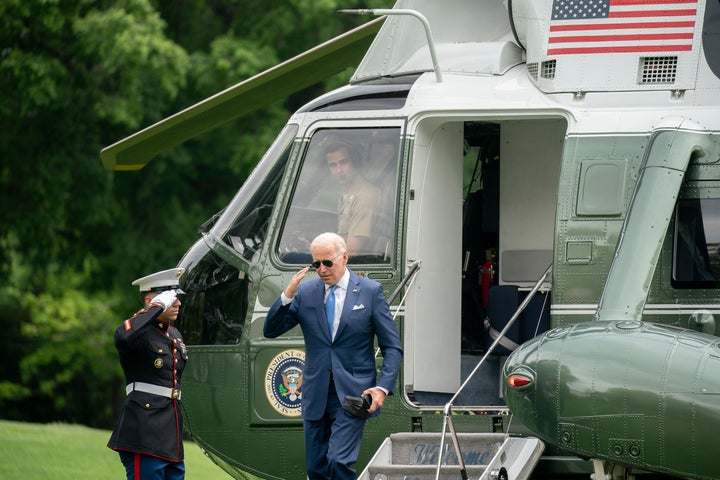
357,406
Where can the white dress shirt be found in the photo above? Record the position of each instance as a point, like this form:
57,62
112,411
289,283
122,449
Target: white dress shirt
340,293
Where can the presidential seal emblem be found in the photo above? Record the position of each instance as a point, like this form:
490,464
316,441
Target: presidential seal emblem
283,382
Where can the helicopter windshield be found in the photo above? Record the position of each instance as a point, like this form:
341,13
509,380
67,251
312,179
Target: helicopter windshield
348,185
243,225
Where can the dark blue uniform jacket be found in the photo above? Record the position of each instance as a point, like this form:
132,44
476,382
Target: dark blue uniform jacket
150,352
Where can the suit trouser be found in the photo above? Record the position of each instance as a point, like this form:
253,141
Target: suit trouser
332,444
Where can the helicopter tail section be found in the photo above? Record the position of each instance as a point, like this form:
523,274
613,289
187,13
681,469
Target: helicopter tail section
615,45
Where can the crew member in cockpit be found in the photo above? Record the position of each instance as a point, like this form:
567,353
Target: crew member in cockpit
359,201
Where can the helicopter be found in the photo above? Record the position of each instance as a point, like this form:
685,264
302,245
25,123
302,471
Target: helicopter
547,233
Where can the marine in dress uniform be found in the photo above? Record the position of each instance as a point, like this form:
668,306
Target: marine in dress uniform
148,433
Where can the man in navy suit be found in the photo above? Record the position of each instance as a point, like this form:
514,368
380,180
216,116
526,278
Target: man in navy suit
339,353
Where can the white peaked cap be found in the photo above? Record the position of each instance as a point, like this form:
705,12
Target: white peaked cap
159,281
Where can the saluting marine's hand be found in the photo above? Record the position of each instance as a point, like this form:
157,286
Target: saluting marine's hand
294,282
165,299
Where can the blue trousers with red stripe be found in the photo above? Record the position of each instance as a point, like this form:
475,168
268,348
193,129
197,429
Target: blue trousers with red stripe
145,467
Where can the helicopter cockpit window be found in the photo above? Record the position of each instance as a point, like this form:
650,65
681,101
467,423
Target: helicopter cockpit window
348,185
696,252
243,225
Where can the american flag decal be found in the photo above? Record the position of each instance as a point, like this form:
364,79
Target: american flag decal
621,26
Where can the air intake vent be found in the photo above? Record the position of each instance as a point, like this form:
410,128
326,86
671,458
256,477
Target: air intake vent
533,70
655,70
548,69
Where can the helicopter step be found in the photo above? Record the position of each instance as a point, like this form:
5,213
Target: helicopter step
487,456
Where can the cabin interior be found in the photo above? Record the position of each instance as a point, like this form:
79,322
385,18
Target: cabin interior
481,256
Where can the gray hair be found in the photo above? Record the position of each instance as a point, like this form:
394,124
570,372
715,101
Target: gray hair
330,238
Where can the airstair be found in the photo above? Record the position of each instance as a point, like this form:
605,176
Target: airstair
478,456
485,456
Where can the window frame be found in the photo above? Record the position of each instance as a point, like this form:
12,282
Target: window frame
278,256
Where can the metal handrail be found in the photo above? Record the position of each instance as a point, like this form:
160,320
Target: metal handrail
447,411
406,281
408,276
414,13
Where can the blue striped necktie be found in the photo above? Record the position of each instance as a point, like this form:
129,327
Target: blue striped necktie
330,309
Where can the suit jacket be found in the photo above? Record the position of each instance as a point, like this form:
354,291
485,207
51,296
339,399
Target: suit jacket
150,352
350,357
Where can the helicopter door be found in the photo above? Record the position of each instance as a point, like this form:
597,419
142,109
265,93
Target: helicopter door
434,231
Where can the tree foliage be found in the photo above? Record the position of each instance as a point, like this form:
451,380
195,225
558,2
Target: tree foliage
78,75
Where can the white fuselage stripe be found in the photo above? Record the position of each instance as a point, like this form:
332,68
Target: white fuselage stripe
650,309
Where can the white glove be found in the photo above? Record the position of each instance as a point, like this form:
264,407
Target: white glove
165,299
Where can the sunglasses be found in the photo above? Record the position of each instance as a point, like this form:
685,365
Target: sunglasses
328,263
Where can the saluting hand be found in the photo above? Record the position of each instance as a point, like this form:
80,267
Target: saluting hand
164,299
294,282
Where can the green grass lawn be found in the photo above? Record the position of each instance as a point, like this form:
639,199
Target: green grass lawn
56,451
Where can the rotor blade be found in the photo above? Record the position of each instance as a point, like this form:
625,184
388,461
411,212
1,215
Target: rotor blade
304,70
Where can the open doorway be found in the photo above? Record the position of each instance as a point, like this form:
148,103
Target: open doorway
493,197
